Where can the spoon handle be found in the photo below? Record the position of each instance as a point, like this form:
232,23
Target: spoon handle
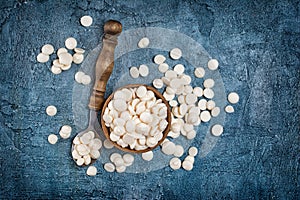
105,63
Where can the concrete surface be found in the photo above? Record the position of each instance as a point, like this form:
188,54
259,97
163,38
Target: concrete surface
257,45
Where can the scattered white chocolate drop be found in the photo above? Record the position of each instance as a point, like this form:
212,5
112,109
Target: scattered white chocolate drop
86,79
108,144
179,69
42,58
163,67
143,70
48,49
158,83
193,151
208,93
134,72
86,20
78,76
109,167
70,43
147,155
187,165
215,111
52,139
65,58
175,163
55,70
233,97
208,83
217,130
213,64
65,131
178,151
91,171
229,109
61,50
159,59
175,53
51,110
78,58
144,42
199,72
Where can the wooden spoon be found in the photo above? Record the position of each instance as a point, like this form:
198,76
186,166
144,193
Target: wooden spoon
103,70
165,132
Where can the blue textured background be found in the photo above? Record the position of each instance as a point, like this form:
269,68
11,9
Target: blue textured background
257,44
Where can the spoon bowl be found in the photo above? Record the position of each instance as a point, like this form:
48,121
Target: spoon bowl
92,120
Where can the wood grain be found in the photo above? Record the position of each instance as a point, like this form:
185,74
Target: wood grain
105,63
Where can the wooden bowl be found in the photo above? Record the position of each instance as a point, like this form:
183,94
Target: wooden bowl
158,95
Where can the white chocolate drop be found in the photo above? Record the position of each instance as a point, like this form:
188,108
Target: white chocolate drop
48,49
70,43
175,53
143,70
217,130
52,139
51,110
42,58
86,21
199,72
159,59
233,97
213,64
134,72
144,42
147,155
229,109
175,163
91,171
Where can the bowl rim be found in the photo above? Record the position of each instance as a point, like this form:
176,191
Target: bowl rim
157,95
